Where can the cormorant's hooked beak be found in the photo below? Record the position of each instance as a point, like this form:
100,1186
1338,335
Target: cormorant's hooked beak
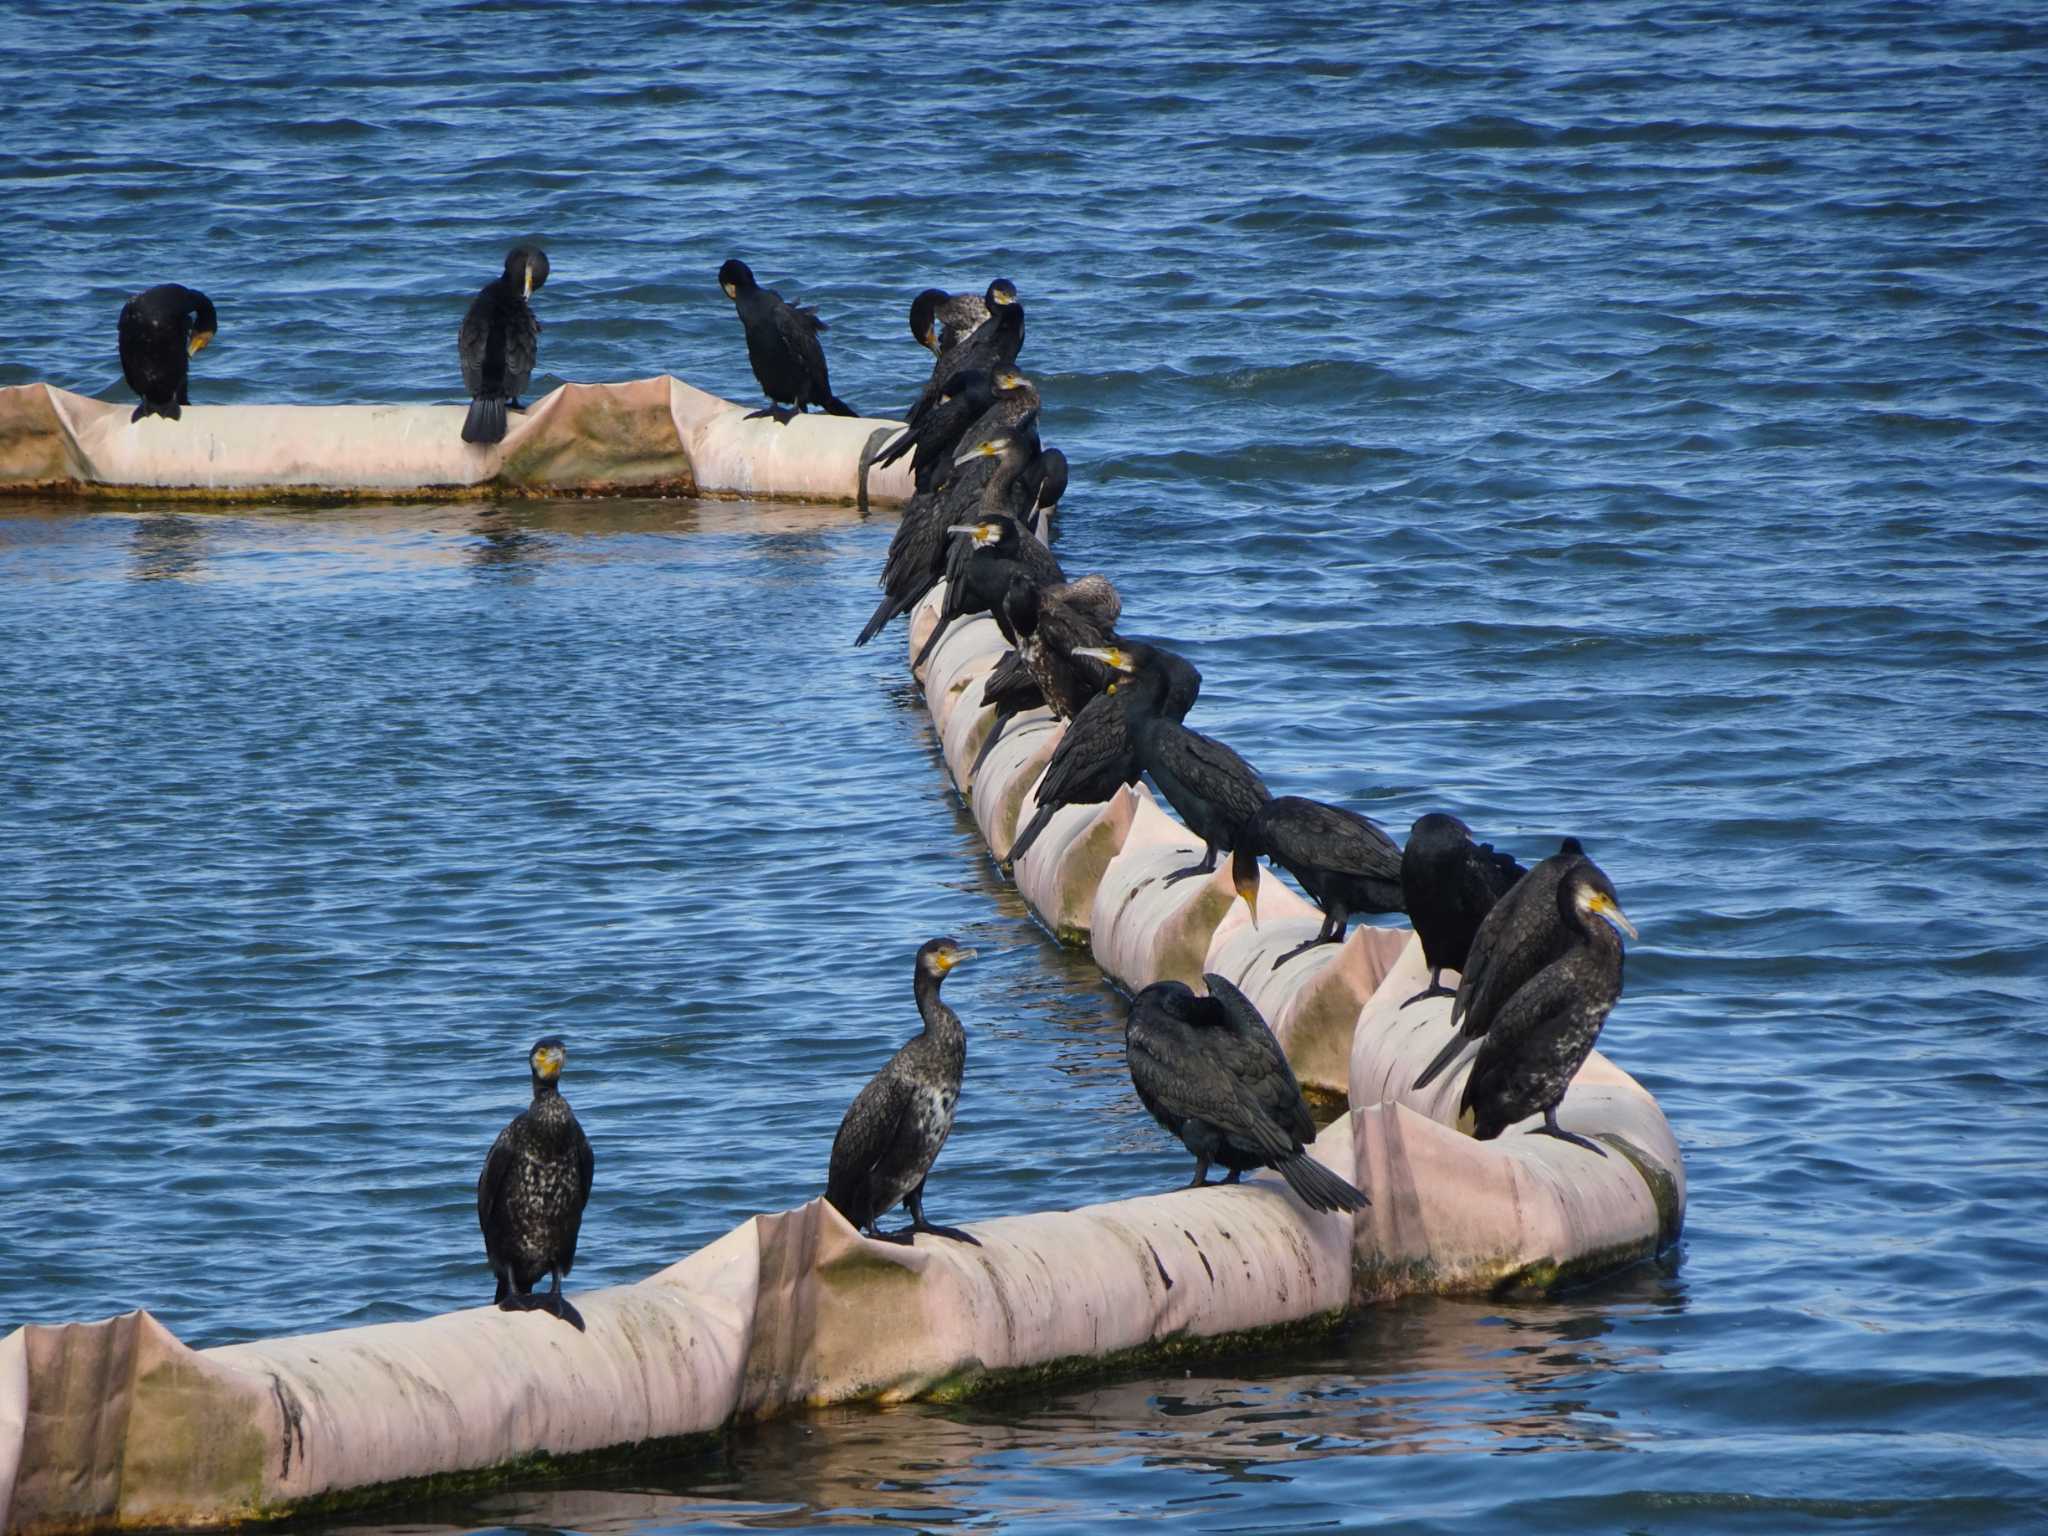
982,533
1115,658
1606,906
198,343
946,959
986,449
731,292
930,338
547,1062
1244,874
1010,378
529,281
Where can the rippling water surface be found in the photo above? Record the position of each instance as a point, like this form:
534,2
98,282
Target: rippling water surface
1617,419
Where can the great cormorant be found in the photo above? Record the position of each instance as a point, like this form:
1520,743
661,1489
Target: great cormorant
1215,791
1098,755
991,347
531,1194
1449,884
161,330
1543,1033
1345,862
941,321
782,344
499,342
1514,941
896,1125
1049,624
1212,1074
964,400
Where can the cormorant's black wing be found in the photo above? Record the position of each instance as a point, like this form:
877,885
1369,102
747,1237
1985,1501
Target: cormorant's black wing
1330,837
490,1190
522,349
872,1127
1096,750
1262,1066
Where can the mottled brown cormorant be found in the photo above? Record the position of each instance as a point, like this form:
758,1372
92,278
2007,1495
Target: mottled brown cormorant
1049,625
499,342
1345,862
531,1194
1215,791
161,330
1449,884
1098,755
941,321
1542,1034
1212,1074
1513,942
892,1134
782,344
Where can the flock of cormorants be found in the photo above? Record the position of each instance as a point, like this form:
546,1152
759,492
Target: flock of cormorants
1538,953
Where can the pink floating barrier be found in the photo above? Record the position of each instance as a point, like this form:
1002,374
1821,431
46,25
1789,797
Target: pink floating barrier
648,436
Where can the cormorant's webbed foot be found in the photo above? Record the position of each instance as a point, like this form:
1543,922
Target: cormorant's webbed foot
782,417
1302,949
1550,1127
903,1235
525,1302
1231,1177
1206,867
1436,988
514,405
563,1308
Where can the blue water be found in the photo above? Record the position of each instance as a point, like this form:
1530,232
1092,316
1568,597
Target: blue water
1620,419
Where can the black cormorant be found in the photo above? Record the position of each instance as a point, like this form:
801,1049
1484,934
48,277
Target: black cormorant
531,1194
1211,1072
992,550
964,400
1514,941
1044,482
892,1134
1449,884
1345,862
161,330
498,343
1542,1034
782,344
1215,791
1098,755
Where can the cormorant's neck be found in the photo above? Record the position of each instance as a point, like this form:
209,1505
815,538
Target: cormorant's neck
938,1018
545,1088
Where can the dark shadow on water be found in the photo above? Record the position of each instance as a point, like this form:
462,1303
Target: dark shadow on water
167,547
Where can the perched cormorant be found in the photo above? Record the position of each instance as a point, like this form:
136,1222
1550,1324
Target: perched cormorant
531,1194
1514,941
782,344
996,548
162,329
991,348
892,1134
1050,624
1449,884
1215,791
1212,1074
919,553
966,397
498,343
1044,482
1542,1034
1345,862
941,321
1098,755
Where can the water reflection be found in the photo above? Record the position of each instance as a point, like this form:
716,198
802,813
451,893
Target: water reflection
166,547
505,550
1418,1377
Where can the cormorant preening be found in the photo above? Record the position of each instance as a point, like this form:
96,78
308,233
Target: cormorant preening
1542,1034
1044,482
531,1194
1449,884
892,1133
1211,1072
782,344
1049,624
498,343
1098,755
1345,862
991,348
1215,791
161,330
1514,941
941,321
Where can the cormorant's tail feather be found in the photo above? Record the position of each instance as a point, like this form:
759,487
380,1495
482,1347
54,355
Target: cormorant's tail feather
837,407
903,444
165,408
1444,1058
486,421
1319,1188
1040,819
878,621
995,734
